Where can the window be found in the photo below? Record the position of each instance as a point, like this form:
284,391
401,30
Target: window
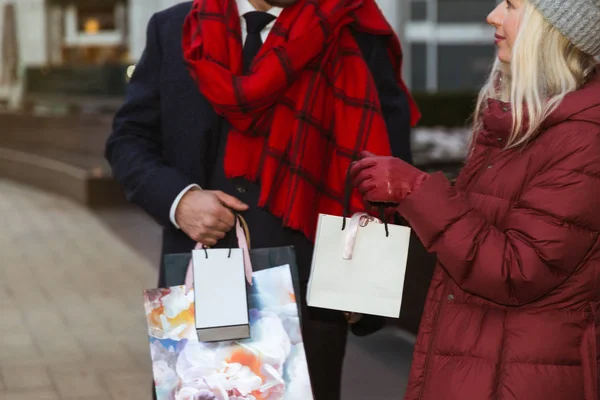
463,67
94,18
418,65
465,11
451,46
418,10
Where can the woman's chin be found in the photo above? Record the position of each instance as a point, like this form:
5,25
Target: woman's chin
504,57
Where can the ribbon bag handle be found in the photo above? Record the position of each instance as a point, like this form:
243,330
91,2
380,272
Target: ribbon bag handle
358,220
243,237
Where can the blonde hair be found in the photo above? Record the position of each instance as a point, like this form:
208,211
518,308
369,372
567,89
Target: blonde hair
544,68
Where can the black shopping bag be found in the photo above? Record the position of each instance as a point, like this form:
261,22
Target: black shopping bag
176,265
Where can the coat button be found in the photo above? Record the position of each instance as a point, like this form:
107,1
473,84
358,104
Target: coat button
451,297
505,109
241,189
490,166
499,139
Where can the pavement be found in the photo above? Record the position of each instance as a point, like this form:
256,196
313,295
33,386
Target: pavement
72,324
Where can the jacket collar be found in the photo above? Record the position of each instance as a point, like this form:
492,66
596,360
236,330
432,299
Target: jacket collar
580,105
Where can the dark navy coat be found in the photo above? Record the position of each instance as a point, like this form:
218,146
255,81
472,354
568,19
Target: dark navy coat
167,136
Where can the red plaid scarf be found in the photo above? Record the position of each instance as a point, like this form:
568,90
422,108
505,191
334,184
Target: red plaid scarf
307,107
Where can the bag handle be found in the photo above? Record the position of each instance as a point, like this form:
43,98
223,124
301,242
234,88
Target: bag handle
358,220
347,199
243,236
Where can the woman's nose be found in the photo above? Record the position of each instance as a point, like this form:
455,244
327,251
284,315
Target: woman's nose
496,17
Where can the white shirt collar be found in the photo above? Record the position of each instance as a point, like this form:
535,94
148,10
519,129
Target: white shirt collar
244,7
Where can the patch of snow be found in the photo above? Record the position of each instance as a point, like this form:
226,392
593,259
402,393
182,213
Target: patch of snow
439,145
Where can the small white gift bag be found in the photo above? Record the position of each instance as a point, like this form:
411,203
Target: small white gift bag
360,266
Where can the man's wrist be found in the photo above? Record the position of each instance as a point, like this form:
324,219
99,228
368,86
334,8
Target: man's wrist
176,202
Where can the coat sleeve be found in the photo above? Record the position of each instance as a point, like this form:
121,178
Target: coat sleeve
544,238
134,149
393,99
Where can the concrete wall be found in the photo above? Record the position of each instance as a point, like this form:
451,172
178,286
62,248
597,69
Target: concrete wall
140,12
391,10
31,22
31,30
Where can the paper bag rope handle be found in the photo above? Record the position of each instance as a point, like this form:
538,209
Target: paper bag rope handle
347,197
357,220
243,235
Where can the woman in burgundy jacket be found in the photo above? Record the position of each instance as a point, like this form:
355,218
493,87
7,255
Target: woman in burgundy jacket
513,310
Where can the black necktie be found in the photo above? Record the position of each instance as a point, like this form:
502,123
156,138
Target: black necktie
255,23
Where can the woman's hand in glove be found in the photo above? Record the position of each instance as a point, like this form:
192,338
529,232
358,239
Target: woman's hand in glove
387,180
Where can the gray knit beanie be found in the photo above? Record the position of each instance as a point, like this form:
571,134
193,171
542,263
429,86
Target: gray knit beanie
577,20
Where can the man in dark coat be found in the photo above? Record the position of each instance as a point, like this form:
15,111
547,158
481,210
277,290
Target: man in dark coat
172,137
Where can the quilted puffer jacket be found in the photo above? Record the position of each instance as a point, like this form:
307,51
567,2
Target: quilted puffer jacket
513,310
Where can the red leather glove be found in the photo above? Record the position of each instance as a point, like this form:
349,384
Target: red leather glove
372,209
385,179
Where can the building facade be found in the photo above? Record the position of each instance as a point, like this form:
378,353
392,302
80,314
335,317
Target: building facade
57,32
447,44
450,46
75,33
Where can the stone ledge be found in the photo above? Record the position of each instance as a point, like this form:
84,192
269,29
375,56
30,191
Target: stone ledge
90,187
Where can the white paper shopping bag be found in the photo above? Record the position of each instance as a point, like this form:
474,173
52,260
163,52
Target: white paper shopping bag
359,268
221,300
219,277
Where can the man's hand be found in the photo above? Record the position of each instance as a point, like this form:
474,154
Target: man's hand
205,215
